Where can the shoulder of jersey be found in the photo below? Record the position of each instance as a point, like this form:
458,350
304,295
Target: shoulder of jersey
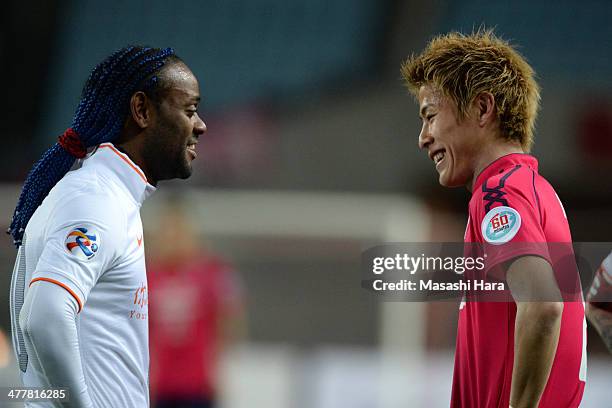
514,178
77,197
82,179
501,222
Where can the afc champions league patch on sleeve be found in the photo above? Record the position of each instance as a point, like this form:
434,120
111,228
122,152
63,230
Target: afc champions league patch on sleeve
500,225
83,242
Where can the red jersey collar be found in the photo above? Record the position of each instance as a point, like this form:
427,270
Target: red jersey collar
504,163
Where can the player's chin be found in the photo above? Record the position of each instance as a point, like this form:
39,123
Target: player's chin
185,170
443,179
446,180
187,173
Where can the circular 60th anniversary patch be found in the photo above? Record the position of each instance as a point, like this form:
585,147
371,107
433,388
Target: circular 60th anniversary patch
500,225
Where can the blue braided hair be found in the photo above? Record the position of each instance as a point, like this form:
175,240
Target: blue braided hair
99,118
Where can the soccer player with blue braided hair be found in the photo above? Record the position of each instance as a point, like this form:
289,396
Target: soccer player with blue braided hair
79,295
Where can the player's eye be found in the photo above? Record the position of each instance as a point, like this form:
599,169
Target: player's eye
430,117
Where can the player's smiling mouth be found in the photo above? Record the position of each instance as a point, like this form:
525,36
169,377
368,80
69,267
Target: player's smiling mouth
191,148
438,156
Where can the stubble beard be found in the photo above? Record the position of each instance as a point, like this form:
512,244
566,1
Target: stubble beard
168,159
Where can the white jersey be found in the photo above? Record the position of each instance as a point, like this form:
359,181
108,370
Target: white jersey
87,238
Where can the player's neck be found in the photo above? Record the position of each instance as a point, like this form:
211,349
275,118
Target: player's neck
132,149
489,154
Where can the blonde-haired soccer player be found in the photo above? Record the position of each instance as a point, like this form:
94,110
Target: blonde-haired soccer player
478,103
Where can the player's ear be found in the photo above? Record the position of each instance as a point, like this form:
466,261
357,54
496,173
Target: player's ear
140,109
484,105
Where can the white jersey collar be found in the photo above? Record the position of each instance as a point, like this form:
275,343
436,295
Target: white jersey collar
128,172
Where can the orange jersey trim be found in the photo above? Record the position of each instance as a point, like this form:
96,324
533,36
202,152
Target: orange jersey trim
125,159
74,295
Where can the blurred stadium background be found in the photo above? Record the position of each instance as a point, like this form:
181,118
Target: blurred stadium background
311,156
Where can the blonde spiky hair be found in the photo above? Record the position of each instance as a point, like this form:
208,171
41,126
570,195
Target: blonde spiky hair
462,66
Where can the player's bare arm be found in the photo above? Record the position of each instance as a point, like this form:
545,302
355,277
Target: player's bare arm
537,328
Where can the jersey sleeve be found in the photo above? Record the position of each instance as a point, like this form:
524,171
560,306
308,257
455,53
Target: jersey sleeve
51,338
83,239
511,225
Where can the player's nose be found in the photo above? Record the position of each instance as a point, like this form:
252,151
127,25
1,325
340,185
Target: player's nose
200,127
425,138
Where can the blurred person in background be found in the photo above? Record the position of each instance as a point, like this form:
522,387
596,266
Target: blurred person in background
478,101
196,312
599,302
79,286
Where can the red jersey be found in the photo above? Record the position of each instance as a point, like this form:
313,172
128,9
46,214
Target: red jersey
511,203
187,300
